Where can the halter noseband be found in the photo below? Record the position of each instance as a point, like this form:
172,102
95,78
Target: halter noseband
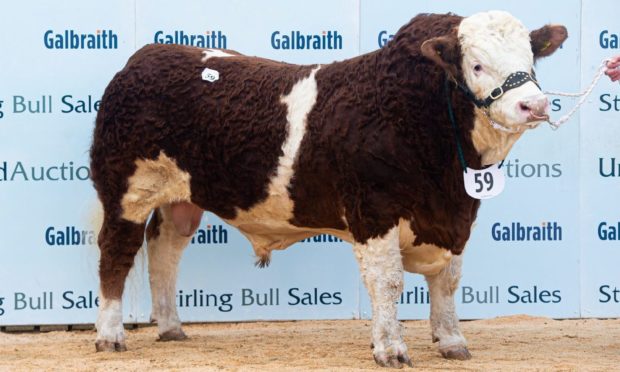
514,80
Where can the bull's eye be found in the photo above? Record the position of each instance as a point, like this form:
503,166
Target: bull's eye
478,68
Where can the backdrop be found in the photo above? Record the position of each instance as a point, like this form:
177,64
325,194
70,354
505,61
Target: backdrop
57,57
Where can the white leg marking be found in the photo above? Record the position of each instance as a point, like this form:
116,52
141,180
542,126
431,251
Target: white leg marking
444,321
210,53
382,271
164,253
110,331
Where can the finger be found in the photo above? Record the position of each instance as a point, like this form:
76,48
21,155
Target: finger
613,62
613,74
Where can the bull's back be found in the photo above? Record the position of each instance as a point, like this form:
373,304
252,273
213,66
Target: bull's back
226,134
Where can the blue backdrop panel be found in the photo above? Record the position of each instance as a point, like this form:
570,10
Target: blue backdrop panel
600,160
56,60
58,57
256,27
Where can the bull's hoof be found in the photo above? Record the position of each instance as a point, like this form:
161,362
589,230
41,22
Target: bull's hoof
103,345
172,335
458,353
392,361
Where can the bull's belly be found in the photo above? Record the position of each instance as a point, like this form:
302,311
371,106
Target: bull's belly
266,226
426,259
262,227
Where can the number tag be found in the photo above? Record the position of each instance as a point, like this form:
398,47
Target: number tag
210,75
484,183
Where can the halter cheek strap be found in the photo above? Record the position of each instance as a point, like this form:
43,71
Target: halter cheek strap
514,80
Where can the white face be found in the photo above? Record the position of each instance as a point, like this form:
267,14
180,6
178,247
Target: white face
495,44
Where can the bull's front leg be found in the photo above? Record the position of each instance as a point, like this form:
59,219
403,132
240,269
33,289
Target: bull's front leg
382,271
444,321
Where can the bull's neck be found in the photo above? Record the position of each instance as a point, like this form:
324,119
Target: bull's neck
492,145
413,98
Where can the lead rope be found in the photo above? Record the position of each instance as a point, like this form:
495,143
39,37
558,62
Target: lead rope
457,135
497,126
556,124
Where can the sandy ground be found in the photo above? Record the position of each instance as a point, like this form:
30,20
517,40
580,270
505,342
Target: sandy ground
517,343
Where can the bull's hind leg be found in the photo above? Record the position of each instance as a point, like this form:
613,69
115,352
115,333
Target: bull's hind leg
119,241
382,271
444,321
167,234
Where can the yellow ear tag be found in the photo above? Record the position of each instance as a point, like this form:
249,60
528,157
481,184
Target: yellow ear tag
547,45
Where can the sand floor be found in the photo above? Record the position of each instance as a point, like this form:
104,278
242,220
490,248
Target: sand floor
516,343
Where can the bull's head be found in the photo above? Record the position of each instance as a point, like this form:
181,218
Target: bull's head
491,56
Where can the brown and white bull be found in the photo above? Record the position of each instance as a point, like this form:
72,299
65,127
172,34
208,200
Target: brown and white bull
362,149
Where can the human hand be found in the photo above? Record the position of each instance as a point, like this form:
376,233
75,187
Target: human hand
613,68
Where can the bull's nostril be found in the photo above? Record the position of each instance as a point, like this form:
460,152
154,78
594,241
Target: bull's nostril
524,107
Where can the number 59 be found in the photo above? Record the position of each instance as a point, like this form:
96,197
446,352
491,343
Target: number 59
483,178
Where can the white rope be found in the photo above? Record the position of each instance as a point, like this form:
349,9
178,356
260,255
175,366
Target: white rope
556,124
497,126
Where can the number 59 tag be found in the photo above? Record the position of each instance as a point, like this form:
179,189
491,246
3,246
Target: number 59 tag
484,183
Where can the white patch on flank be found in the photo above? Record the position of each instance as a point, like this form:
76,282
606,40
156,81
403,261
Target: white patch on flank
299,103
211,53
501,45
110,321
444,321
492,145
425,259
154,183
266,224
381,268
164,253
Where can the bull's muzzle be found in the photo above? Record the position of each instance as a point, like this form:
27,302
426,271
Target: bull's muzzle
534,108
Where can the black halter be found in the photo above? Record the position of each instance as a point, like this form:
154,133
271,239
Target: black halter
514,80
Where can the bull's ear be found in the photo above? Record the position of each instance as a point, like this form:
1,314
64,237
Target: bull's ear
444,51
547,39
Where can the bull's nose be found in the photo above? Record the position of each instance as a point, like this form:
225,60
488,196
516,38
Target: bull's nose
534,107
